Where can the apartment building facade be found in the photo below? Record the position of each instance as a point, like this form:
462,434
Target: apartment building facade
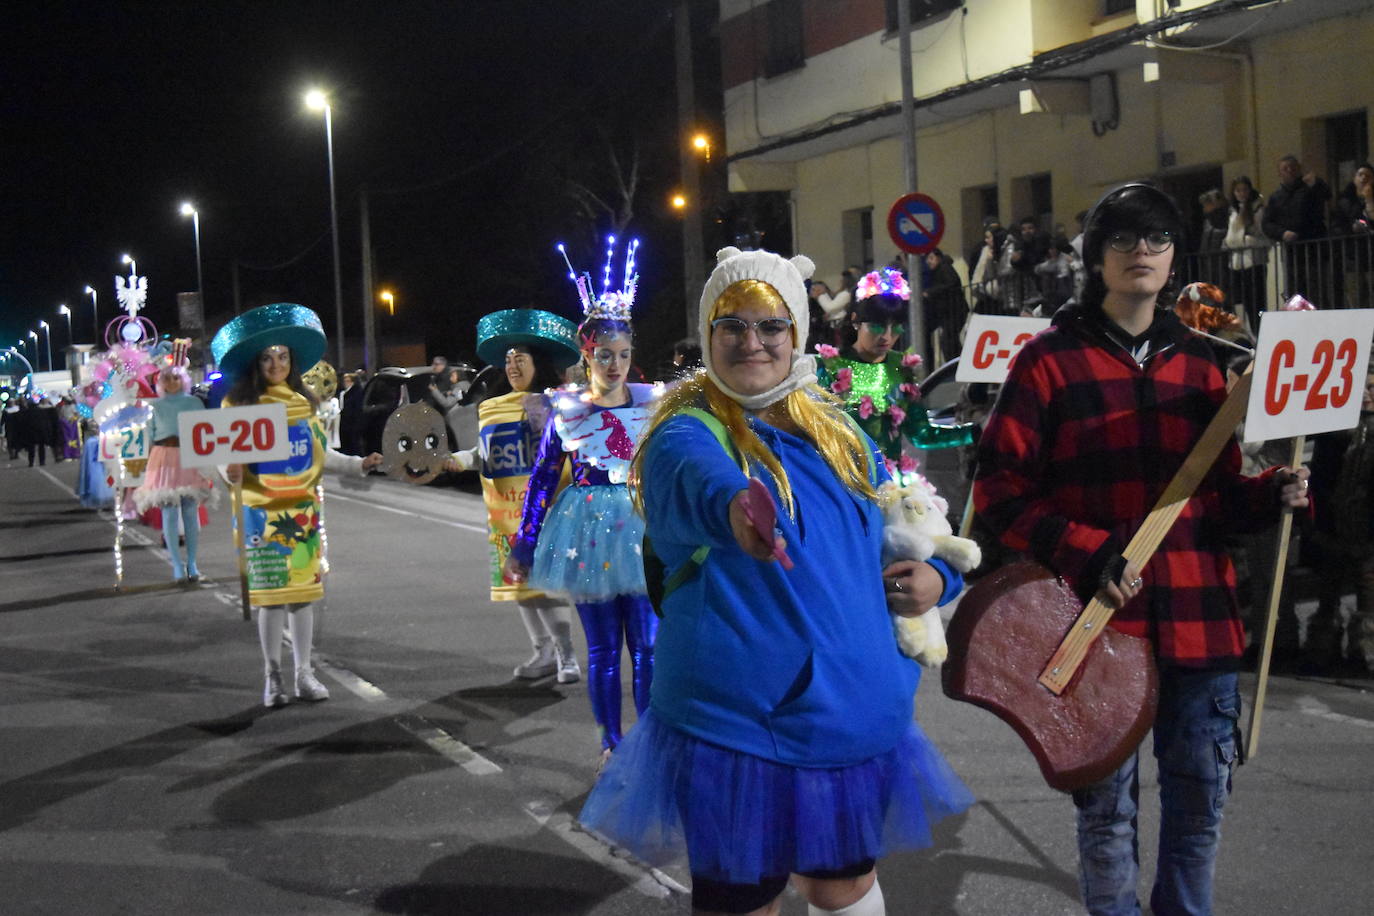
1032,107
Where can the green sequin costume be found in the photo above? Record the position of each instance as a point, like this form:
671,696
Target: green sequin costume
882,383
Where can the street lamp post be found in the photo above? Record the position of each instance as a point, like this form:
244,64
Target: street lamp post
133,265
318,101
188,210
95,317
34,335
67,314
47,339
389,298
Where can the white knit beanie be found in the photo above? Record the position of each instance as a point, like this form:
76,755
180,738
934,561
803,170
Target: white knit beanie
789,278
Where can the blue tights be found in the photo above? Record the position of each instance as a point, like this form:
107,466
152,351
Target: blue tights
604,623
174,518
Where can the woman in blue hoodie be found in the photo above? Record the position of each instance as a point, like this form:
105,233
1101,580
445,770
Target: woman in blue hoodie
779,739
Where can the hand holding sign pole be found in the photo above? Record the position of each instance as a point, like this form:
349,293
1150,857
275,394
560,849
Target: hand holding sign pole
1309,375
235,435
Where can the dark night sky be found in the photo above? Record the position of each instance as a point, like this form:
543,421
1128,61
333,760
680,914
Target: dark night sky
466,117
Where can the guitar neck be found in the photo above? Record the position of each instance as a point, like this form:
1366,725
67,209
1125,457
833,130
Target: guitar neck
1064,663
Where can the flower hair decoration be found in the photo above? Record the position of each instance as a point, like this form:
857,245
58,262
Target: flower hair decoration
885,282
611,304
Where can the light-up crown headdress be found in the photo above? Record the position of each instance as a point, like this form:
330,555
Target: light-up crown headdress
612,304
885,282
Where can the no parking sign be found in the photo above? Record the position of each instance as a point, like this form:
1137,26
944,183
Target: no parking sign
916,223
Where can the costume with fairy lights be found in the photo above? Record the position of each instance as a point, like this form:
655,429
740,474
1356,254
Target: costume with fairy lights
178,491
781,736
885,397
585,543
281,524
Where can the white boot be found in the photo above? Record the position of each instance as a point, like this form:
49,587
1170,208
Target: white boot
308,687
273,693
542,663
568,670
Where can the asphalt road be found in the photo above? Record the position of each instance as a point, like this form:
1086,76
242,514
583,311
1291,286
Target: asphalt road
139,774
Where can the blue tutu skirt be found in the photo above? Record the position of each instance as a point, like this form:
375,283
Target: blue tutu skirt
737,818
589,547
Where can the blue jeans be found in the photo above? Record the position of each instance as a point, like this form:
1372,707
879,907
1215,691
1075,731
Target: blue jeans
1197,742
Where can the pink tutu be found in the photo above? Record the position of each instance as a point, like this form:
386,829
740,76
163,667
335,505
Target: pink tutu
166,482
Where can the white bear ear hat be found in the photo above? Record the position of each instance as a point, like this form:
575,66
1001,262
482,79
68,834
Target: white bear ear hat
789,278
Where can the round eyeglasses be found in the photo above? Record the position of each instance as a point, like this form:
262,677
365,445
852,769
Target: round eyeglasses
770,331
1157,241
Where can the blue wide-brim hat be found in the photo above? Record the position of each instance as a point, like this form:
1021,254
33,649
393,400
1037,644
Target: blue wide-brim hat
554,336
286,324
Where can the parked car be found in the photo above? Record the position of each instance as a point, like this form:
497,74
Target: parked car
394,386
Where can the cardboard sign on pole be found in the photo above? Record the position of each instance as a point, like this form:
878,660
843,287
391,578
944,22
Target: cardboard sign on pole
991,343
234,435
1309,373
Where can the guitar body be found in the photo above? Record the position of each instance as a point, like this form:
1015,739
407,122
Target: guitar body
1005,630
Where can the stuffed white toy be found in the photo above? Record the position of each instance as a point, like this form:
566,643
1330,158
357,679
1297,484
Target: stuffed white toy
916,529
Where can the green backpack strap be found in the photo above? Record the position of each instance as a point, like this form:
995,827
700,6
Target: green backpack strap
654,568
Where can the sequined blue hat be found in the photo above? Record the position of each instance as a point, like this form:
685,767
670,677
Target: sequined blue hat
280,324
554,336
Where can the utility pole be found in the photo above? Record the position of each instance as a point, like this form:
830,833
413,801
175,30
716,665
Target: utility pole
370,359
915,313
693,257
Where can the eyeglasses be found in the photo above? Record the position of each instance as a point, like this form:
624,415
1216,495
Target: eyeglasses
770,331
878,328
1157,241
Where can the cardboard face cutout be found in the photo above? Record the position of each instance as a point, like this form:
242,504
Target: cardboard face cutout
322,380
414,444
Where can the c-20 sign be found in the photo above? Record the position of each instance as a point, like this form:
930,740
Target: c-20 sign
233,435
1309,373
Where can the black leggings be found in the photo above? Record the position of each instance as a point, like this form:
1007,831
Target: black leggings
719,897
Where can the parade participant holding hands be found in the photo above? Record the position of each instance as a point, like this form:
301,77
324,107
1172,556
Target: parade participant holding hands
780,739
178,491
535,347
586,542
1098,414
260,354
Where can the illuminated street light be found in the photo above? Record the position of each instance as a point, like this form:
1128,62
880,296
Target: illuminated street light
34,335
67,313
188,210
47,339
318,101
95,316
390,299
702,144
133,266
679,202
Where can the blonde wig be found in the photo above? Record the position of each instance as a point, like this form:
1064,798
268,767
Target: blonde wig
818,414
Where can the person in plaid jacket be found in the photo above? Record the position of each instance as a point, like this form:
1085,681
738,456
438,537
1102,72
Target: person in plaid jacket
1097,414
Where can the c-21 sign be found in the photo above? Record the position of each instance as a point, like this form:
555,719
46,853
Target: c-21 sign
990,344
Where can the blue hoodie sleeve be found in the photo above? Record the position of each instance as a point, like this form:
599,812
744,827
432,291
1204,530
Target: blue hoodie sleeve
688,482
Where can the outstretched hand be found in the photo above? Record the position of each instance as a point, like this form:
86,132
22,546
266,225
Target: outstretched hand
372,461
746,535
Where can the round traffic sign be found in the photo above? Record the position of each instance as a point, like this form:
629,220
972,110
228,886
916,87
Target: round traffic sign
916,223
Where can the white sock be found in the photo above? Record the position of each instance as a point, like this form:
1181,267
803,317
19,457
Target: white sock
534,624
271,623
870,904
302,634
557,620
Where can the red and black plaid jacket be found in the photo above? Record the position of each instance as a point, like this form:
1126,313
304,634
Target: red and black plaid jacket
1076,452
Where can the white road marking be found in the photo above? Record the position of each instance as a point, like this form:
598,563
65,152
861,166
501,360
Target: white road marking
480,529
649,881
1314,707
447,745
352,682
